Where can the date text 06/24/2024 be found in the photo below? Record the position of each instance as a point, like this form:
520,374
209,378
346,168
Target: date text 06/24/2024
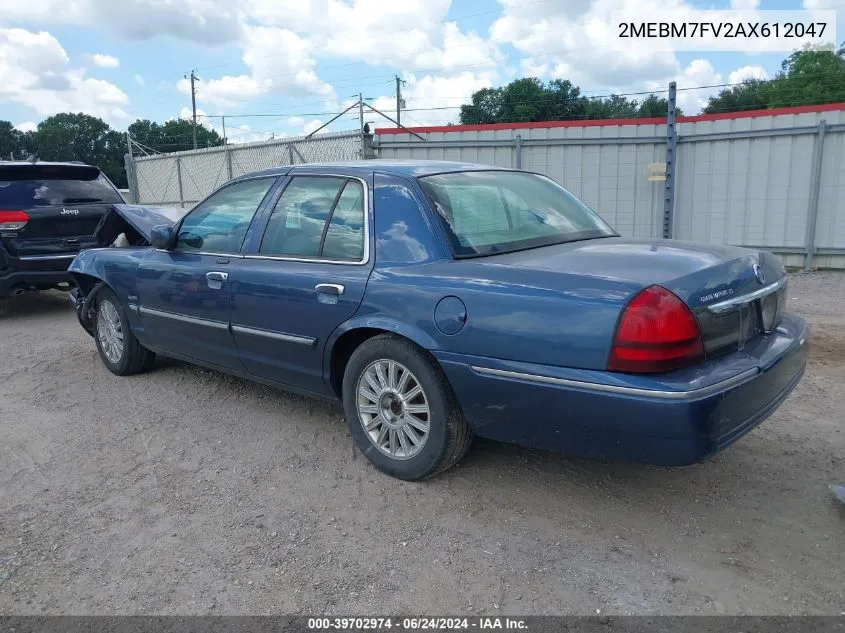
416,624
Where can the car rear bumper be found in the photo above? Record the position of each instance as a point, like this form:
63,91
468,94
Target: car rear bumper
673,422
33,271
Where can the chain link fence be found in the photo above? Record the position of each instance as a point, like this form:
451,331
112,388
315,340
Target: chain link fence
184,178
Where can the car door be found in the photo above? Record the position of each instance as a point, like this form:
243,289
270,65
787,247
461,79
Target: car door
184,293
303,275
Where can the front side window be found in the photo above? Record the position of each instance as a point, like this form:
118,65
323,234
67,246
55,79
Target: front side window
488,212
219,224
317,217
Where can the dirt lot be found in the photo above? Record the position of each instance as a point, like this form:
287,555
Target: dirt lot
186,491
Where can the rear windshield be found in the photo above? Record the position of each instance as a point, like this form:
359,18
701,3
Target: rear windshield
28,187
488,212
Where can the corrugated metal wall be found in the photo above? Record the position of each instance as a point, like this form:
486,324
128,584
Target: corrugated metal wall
746,181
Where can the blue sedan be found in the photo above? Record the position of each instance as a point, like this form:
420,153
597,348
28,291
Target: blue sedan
440,301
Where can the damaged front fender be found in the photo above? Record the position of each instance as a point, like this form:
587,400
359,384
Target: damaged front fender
83,304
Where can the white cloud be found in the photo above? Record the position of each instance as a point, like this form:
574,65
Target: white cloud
104,61
838,5
412,34
699,72
747,72
139,80
311,126
431,91
204,21
27,126
35,72
578,40
279,62
745,4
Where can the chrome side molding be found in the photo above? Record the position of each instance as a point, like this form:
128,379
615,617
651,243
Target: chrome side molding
628,391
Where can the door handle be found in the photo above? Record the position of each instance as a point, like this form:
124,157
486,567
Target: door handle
330,289
215,279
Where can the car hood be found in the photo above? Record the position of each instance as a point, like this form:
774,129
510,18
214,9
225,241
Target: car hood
144,217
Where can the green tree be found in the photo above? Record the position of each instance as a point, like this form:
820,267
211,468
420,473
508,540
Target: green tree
486,107
9,141
525,100
564,101
812,75
85,138
613,107
809,76
654,106
176,135
751,94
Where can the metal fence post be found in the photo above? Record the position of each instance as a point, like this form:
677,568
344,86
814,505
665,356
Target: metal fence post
131,177
290,154
669,184
367,146
179,179
228,155
518,148
815,190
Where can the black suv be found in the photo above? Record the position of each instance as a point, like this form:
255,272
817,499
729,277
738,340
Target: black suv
48,213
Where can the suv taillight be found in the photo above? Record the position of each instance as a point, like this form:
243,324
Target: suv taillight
657,332
12,220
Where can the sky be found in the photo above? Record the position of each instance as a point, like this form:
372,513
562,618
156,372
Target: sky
296,61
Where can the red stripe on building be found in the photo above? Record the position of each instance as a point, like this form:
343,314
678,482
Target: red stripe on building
601,122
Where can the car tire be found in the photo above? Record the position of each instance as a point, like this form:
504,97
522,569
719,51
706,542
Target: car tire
119,350
398,412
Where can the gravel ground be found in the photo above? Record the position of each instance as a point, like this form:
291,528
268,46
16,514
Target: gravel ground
184,491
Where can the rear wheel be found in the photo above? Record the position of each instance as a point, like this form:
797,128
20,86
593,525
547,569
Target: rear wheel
120,351
401,410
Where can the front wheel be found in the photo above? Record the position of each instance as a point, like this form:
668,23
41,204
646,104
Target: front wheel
120,351
401,410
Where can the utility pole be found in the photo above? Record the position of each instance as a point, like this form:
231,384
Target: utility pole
399,84
194,78
361,119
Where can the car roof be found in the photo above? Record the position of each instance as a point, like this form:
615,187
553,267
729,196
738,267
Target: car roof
415,168
44,163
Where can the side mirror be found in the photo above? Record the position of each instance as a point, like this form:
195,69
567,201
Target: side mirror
163,237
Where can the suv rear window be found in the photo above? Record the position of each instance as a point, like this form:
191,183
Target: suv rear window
28,187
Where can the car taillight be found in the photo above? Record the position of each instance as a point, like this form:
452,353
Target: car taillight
12,220
657,332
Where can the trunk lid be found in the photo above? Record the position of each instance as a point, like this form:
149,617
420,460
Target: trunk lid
63,206
734,293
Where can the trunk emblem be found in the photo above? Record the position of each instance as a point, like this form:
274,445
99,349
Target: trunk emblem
758,272
69,211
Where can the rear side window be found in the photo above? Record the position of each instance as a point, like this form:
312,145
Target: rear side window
29,187
317,217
